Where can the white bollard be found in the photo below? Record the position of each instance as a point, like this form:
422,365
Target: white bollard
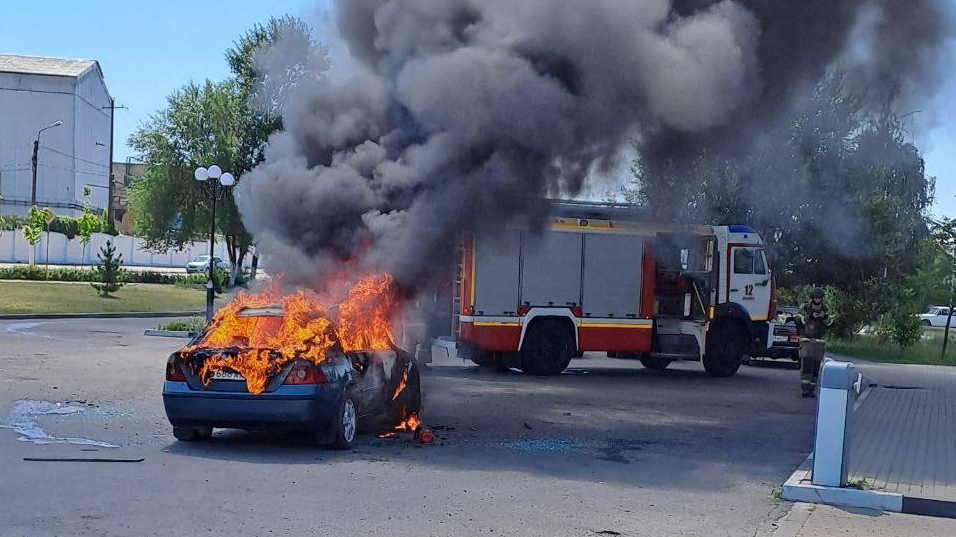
839,387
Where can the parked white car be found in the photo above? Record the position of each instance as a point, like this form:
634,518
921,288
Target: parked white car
201,264
936,316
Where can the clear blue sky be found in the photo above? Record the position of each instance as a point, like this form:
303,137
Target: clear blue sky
148,49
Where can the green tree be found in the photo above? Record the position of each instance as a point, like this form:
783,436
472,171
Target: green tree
835,190
109,270
34,228
87,223
225,123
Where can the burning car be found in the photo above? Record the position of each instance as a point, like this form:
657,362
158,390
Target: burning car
292,364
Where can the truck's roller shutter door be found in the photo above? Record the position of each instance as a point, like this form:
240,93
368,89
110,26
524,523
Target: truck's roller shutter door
612,275
551,269
496,273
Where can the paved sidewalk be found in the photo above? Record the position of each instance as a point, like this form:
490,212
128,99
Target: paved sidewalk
904,431
808,520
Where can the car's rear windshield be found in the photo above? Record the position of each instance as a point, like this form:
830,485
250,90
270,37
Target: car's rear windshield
249,328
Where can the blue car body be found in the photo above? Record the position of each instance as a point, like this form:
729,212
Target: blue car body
369,378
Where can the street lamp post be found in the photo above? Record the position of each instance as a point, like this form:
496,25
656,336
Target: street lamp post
210,181
36,152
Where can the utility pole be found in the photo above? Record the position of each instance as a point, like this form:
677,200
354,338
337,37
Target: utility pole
109,174
36,152
109,201
952,299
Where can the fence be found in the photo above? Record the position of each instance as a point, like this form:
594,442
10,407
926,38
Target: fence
14,248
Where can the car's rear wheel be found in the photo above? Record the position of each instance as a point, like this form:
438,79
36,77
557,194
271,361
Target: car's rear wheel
346,423
192,434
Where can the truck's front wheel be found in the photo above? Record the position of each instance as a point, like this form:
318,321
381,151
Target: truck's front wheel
727,348
548,347
655,362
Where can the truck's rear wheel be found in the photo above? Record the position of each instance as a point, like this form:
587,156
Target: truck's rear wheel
655,362
727,348
548,347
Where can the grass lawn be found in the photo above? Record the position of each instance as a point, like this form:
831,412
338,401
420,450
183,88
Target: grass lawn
925,352
63,297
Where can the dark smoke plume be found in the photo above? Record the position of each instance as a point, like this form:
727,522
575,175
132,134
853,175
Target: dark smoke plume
458,114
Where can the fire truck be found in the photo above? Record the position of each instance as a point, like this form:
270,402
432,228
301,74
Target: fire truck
601,278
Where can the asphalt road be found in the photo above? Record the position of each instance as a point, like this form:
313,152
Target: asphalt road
606,447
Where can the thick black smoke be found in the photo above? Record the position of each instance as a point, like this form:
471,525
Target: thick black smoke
458,114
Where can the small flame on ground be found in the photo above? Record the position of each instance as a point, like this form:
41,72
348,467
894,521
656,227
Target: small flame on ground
411,423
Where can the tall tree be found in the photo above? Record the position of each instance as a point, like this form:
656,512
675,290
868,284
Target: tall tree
836,192
200,127
226,123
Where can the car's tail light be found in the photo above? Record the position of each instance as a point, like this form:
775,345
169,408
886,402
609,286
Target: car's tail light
174,372
305,373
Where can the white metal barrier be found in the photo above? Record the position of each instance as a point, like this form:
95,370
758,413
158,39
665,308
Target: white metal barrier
840,385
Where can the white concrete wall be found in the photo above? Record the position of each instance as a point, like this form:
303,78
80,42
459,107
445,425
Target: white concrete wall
15,249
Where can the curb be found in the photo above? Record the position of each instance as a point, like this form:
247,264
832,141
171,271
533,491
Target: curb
170,333
103,315
799,488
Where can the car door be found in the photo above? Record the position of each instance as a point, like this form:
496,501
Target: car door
376,386
749,281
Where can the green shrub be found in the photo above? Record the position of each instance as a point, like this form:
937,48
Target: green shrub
38,273
900,326
221,280
65,225
193,324
12,223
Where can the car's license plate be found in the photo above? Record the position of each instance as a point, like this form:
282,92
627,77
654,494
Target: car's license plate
224,374
780,338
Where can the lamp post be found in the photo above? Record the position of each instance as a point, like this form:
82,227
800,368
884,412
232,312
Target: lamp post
210,181
36,152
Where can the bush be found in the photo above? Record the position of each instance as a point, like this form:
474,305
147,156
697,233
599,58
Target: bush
65,225
193,324
12,223
900,326
221,280
38,273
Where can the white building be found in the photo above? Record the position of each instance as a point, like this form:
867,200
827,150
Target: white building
36,93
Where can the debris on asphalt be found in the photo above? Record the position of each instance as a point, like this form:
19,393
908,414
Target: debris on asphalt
23,421
544,445
424,436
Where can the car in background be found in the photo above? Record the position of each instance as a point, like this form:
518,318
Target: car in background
201,264
331,400
936,316
785,340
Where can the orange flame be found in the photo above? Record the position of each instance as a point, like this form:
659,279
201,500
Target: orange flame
401,385
411,423
258,347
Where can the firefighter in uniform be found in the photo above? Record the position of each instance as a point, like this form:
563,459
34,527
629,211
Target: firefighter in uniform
814,320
